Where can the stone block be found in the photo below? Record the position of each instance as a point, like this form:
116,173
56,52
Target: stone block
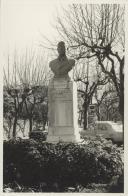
63,125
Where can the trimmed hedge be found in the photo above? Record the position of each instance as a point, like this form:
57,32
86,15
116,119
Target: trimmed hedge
30,163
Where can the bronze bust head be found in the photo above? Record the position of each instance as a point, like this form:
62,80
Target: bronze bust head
62,65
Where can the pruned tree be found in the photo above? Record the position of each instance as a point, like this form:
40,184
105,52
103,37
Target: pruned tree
33,110
109,108
28,74
15,103
96,32
7,114
106,97
87,82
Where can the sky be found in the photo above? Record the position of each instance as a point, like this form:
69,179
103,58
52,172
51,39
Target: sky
23,22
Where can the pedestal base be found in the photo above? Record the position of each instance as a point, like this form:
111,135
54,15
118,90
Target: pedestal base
53,138
63,126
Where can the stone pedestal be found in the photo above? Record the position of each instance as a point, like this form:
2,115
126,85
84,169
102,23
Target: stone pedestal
63,125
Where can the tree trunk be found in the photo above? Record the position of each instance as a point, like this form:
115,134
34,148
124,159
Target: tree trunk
121,101
14,127
121,106
107,115
30,124
98,113
85,122
121,97
10,125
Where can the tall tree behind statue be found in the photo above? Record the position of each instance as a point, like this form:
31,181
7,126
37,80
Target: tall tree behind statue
96,32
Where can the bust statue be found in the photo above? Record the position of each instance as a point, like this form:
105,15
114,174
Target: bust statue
62,65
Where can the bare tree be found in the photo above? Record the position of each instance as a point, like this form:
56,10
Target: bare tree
87,82
109,108
33,109
97,32
107,96
28,72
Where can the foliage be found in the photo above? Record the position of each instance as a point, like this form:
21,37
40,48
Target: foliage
38,135
24,102
107,103
31,163
117,185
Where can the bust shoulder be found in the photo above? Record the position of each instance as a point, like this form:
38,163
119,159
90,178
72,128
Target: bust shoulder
53,62
72,61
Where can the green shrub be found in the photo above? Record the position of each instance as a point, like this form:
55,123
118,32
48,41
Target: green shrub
30,162
38,135
117,184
